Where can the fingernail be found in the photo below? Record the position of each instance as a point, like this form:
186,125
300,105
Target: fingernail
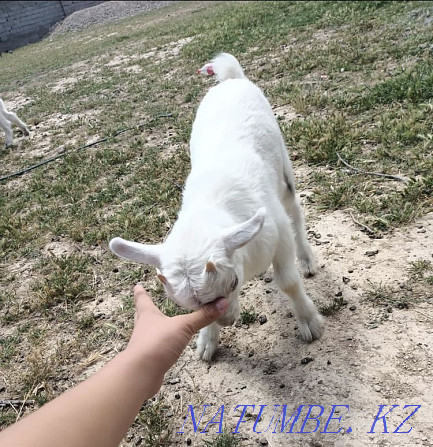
222,305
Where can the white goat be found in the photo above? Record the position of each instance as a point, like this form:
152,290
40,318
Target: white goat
6,118
234,221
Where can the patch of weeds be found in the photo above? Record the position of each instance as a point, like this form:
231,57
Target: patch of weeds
248,315
171,309
334,195
419,268
42,398
8,347
66,279
319,140
380,295
415,86
225,439
40,367
7,417
333,307
9,306
153,420
86,321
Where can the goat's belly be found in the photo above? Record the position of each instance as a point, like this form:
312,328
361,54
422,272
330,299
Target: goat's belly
259,263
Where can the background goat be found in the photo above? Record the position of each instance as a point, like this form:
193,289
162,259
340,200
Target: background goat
6,118
234,220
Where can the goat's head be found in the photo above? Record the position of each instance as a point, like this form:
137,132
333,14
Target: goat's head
193,280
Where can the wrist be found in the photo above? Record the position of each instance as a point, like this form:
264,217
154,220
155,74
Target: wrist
144,368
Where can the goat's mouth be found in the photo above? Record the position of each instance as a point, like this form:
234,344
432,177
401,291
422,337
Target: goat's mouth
209,302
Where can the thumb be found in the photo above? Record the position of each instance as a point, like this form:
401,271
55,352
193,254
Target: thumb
205,315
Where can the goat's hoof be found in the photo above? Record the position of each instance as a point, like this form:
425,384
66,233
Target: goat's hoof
26,132
308,266
311,329
206,349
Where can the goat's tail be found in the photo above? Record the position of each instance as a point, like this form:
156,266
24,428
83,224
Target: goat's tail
224,66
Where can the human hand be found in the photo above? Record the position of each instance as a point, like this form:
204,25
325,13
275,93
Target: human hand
161,340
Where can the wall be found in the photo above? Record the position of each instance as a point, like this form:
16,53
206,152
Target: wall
27,22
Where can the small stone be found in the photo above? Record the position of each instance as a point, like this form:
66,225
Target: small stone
268,291
376,388
306,360
339,293
262,319
320,382
346,279
263,442
371,253
115,270
328,362
282,385
177,396
350,271
251,354
268,279
352,308
188,441
174,381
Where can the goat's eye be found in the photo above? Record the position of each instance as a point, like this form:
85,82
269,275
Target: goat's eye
234,283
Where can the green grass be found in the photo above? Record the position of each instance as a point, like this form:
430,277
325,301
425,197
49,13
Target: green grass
334,306
421,270
152,418
225,439
359,80
248,315
384,295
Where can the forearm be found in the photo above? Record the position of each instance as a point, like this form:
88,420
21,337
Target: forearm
98,412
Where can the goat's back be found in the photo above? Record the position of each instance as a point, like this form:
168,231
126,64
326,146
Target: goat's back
234,126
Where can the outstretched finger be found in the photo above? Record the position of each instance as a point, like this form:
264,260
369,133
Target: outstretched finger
205,315
143,302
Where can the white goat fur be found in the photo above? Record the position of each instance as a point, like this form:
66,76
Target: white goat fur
6,118
235,212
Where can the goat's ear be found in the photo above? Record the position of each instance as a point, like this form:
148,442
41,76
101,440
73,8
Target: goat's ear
239,235
144,254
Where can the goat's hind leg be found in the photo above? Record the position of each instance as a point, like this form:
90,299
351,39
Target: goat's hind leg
14,119
294,210
310,322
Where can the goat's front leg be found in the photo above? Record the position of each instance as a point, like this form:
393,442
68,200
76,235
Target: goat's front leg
207,342
6,126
